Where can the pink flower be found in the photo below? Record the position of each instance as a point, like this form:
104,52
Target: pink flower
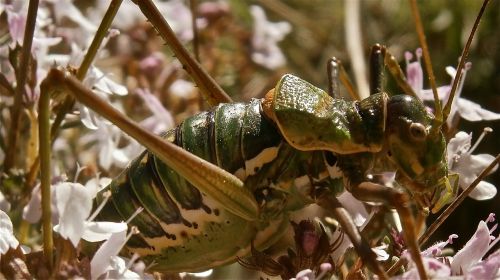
467,262
465,108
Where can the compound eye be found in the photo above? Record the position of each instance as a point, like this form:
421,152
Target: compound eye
418,131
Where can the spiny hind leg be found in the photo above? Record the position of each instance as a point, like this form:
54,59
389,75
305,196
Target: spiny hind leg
219,184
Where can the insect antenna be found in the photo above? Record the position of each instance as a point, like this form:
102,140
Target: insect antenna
461,63
438,120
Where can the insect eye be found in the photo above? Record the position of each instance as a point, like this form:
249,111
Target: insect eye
418,131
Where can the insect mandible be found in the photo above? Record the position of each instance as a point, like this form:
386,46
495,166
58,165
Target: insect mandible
240,169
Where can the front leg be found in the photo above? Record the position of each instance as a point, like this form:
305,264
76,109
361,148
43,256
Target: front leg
373,192
329,202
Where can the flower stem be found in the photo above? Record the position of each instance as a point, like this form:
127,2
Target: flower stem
98,38
21,75
82,71
44,135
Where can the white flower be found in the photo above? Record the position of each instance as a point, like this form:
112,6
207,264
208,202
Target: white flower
71,206
465,108
266,36
468,166
7,238
105,259
74,204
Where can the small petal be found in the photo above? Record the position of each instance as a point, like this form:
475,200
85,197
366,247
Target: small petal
305,274
99,231
483,191
88,118
473,251
119,270
7,238
427,94
415,76
32,212
102,259
474,112
487,269
459,144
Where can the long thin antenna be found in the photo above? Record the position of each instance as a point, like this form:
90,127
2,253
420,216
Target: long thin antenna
428,64
461,63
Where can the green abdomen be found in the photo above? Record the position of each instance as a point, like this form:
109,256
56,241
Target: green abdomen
181,228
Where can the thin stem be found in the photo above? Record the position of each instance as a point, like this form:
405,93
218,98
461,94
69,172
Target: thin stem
81,73
427,60
21,75
101,33
461,63
44,136
193,4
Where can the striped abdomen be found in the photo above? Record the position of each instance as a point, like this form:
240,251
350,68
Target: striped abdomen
181,228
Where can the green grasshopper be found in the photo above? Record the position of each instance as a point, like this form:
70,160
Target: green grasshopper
227,179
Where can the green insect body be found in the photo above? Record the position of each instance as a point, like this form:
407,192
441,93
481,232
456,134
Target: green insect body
284,148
